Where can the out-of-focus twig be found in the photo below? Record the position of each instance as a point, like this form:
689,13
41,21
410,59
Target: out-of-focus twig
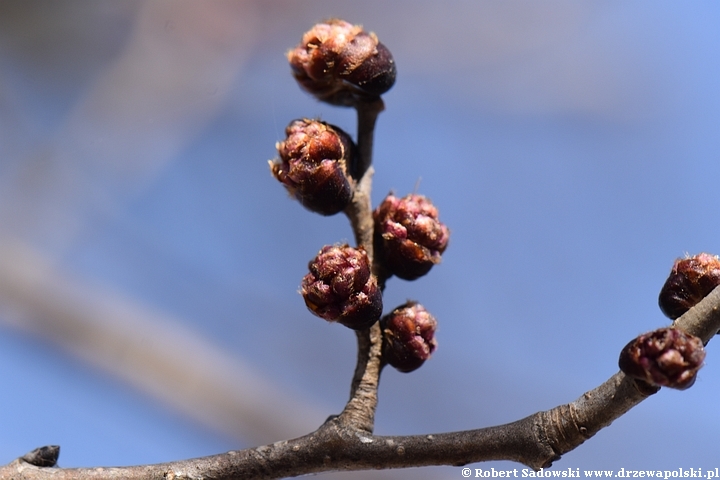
148,349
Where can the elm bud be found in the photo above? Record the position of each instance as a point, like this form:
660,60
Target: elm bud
313,165
408,336
667,357
340,287
691,279
340,63
409,239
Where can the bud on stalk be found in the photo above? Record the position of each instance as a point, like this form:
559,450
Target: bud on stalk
408,336
339,63
667,357
313,165
691,279
340,287
409,238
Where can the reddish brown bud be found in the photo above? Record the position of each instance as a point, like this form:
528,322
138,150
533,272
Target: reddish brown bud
340,287
409,238
408,336
340,63
667,357
691,279
313,165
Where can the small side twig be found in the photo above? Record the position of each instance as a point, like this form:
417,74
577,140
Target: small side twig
359,212
367,114
359,412
360,209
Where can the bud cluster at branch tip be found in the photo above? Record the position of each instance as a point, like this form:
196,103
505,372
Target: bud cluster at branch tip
408,336
667,357
340,287
313,165
691,279
409,239
340,63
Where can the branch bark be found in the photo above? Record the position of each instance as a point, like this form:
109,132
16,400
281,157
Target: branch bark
535,441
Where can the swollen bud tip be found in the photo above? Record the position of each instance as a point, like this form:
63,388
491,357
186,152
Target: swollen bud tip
341,64
409,239
408,336
691,279
667,357
313,165
340,287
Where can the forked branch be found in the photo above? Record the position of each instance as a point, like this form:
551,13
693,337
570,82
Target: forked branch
535,441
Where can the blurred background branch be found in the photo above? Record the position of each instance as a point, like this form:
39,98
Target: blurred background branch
151,351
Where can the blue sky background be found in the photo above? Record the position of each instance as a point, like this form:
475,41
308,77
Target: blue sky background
572,149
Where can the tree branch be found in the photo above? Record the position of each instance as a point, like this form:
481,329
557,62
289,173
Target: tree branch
367,114
359,212
535,441
346,441
360,410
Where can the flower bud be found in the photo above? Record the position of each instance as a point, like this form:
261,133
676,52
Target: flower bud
313,165
340,287
339,63
667,357
408,336
691,279
409,238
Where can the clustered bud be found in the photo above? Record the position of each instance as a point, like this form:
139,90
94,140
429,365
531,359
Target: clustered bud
313,165
340,287
409,238
408,336
667,357
339,63
691,279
